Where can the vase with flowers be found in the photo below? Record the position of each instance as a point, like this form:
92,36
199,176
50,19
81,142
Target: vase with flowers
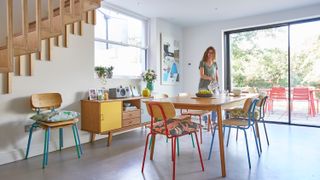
149,76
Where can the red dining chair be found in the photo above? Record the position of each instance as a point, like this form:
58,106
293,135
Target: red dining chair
170,127
302,94
276,93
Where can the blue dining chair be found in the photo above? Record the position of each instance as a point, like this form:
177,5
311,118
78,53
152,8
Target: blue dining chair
241,124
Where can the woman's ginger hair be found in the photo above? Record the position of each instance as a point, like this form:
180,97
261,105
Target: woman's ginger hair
205,54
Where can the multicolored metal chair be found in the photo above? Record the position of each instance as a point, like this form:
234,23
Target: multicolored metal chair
169,127
242,124
197,113
52,119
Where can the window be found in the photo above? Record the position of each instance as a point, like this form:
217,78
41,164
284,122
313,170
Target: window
121,41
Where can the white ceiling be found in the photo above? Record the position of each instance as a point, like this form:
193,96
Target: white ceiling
193,12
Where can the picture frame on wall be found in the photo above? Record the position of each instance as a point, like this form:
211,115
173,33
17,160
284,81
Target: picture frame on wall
170,60
93,94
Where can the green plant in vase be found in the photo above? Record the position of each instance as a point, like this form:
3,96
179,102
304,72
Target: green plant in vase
149,76
104,73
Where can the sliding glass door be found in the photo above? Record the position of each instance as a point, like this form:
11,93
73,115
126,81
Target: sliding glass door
282,61
305,72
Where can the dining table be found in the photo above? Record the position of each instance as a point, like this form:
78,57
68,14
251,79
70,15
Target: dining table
215,103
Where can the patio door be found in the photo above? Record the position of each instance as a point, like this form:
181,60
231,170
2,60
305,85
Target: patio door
283,61
305,72
259,62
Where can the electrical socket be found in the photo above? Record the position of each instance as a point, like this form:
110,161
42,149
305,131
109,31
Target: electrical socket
28,126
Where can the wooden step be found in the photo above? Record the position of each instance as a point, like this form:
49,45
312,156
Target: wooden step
89,5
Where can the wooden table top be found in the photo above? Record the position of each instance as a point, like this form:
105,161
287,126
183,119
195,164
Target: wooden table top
193,102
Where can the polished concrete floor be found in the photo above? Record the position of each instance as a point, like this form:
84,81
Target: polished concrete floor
294,153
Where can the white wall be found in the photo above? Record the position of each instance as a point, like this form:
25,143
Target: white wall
70,72
158,26
197,39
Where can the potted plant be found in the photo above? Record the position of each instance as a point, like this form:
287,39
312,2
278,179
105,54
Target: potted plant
104,72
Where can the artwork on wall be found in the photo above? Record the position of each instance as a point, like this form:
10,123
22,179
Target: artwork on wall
170,60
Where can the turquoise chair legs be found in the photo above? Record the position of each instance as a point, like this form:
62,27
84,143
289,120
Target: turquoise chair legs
192,141
29,139
74,128
60,138
46,148
47,142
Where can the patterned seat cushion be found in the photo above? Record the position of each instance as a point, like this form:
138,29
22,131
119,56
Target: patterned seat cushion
176,127
240,113
55,116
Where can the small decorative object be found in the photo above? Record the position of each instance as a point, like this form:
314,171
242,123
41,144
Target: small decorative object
92,94
149,76
100,94
146,92
104,73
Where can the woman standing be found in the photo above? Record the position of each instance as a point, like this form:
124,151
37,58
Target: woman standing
208,74
208,69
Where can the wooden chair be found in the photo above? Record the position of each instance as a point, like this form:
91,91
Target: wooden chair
169,127
242,124
197,113
51,101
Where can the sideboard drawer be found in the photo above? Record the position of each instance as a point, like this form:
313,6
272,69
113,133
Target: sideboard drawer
131,114
130,121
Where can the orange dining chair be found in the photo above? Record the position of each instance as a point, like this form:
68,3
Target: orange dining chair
169,127
302,94
276,93
196,113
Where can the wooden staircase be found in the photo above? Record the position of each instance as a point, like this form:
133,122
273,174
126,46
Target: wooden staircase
56,25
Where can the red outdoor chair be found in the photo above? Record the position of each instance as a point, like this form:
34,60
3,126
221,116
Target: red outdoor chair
302,94
276,93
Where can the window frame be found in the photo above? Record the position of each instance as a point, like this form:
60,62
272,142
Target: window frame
146,22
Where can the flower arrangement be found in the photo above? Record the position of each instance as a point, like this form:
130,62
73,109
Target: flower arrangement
149,75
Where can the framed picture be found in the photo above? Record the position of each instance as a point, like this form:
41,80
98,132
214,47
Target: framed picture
93,94
100,94
170,60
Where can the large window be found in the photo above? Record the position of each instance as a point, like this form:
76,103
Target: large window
283,61
121,41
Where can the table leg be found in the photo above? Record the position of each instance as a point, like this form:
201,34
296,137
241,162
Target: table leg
221,143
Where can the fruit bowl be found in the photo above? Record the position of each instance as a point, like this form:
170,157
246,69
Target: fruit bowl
203,95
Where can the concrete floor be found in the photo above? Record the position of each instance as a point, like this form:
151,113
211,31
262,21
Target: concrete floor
294,153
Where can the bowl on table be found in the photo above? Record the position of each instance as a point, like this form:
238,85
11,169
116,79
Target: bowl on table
203,95
236,92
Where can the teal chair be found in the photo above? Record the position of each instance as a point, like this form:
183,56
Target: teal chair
242,124
52,119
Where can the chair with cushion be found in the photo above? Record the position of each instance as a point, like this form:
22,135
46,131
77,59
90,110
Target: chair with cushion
242,124
48,117
170,127
197,113
259,115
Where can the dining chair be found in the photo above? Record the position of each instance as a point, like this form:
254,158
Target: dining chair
259,117
197,113
52,119
276,93
242,124
302,94
169,127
